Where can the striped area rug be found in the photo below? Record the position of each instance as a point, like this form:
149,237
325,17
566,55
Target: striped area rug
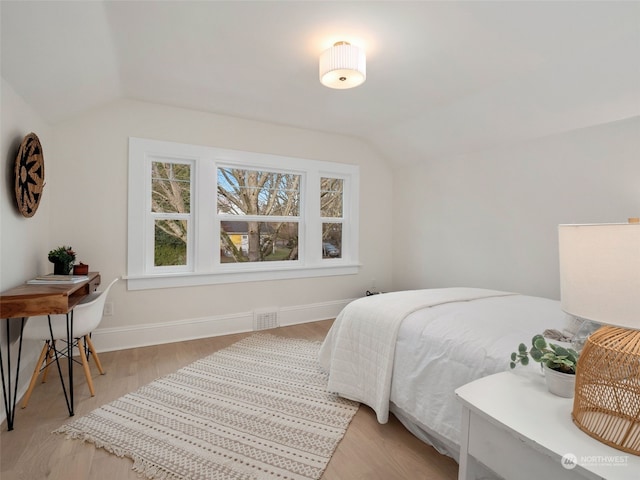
258,409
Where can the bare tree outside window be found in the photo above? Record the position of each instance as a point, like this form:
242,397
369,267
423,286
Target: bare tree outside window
260,211
170,205
331,191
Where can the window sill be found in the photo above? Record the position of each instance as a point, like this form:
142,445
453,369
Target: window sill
190,279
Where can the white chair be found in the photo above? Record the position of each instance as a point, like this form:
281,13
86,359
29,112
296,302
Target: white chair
86,317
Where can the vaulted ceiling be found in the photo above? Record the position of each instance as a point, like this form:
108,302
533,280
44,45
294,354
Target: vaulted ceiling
443,78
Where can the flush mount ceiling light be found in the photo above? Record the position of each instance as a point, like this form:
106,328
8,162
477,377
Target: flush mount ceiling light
343,66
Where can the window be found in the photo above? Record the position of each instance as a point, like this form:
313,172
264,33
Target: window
331,191
259,214
202,215
171,211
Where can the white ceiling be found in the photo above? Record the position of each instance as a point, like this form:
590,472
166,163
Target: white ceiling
443,78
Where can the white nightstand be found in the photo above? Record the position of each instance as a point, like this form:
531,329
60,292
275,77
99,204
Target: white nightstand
514,426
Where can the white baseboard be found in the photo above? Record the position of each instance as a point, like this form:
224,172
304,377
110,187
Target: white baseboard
120,338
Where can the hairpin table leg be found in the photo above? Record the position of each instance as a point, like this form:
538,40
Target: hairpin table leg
8,395
68,394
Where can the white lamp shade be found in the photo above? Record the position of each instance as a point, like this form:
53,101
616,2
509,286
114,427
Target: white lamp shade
343,66
600,272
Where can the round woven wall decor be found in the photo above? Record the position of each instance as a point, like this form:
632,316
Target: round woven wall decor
29,175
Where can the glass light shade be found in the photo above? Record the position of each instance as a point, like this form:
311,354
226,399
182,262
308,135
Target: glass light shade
343,66
600,272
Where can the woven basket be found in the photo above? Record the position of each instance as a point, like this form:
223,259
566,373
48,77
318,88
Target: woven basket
606,404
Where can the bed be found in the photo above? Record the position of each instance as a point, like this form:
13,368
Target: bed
406,352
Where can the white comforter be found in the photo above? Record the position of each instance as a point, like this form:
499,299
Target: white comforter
413,349
441,349
359,349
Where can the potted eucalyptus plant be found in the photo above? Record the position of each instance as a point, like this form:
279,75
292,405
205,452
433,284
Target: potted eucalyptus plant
559,364
62,259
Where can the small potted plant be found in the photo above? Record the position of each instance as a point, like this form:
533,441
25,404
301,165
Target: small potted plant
559,364
62,259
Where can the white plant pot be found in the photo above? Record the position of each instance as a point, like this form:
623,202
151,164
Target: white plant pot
558,383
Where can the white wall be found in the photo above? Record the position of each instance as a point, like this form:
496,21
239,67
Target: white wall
489,219
89,196
24,242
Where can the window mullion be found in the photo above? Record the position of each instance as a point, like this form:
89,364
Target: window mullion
313,225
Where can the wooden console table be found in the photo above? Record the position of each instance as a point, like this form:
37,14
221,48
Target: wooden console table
29,300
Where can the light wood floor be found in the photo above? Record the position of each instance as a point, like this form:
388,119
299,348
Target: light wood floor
31,452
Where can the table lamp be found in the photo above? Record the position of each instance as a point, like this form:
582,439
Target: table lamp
600,281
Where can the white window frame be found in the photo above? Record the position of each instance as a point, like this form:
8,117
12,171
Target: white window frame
203,262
